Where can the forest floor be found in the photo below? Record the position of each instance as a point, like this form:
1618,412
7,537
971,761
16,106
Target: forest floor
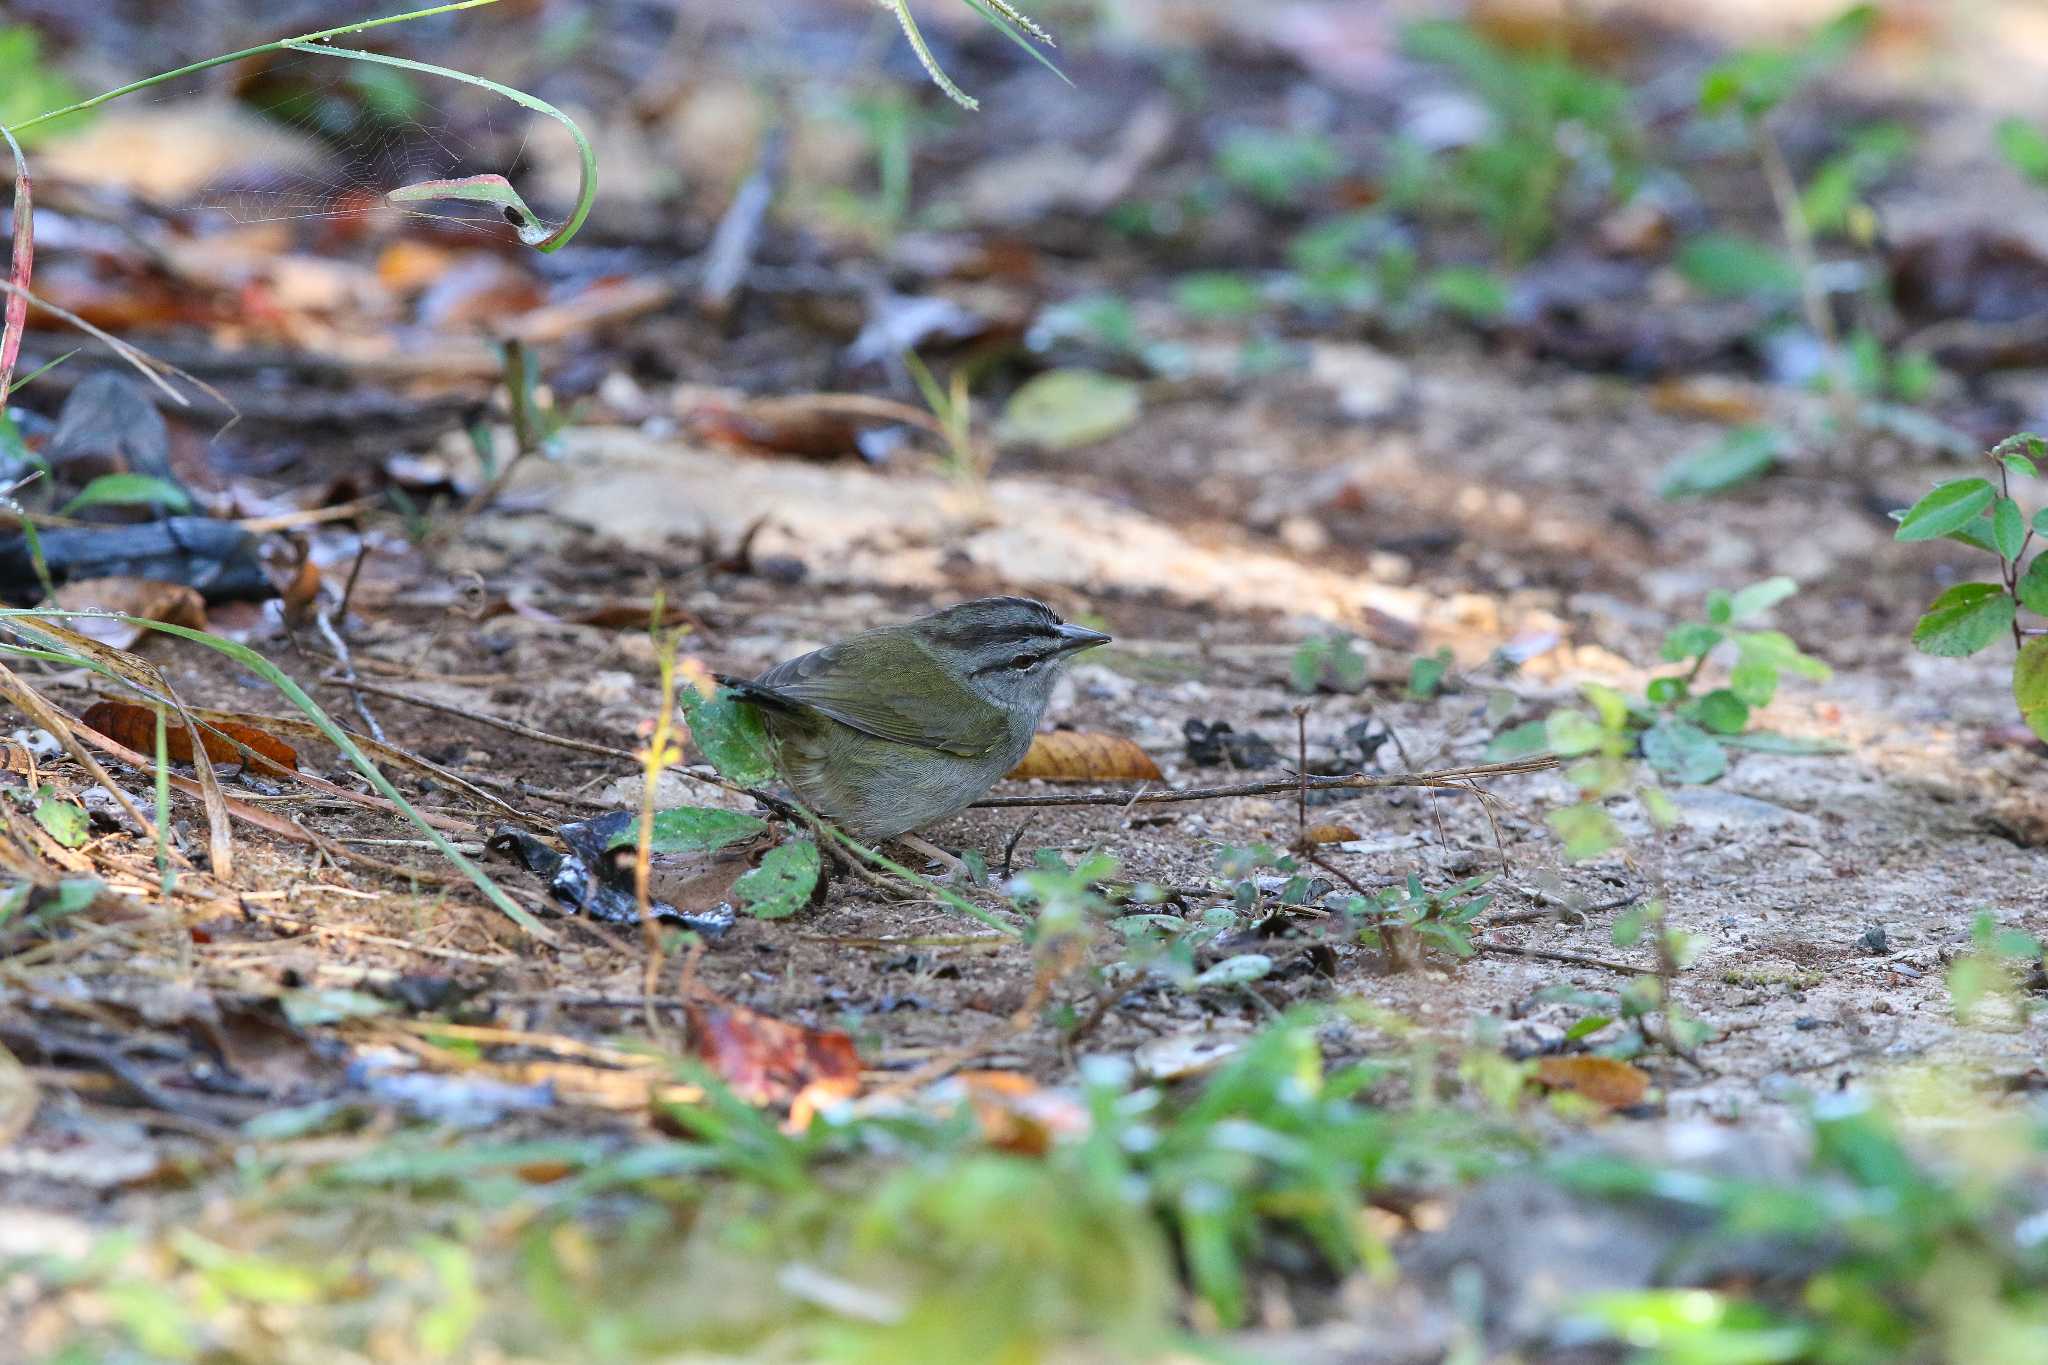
336,1104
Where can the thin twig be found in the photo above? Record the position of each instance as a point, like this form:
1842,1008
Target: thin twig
348,673
498,723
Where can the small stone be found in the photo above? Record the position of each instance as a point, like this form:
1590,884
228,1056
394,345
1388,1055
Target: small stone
1304,535
1875,940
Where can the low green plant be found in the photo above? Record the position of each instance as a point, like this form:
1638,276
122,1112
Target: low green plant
1442,920
1328,663
1555,128
1886,1254
1681,730
1969,617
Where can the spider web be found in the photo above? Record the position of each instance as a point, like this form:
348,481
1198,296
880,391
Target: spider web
347,134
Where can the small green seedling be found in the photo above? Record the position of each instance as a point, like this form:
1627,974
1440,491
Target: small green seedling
1972,616
1681,730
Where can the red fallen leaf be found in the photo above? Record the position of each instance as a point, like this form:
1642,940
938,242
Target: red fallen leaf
1082,756
135,726
765,1060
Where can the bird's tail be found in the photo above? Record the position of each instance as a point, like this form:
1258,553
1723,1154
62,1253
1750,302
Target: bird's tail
759,693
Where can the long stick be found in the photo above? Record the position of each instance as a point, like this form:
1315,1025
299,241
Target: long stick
1446,777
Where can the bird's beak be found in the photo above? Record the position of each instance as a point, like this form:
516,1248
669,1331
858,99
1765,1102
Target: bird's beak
1073,639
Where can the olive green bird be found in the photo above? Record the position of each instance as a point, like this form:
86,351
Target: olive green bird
896,727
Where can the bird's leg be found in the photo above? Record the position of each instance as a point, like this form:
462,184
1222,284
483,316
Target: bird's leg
956,870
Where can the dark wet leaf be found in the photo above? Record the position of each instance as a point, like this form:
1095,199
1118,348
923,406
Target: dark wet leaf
1217,745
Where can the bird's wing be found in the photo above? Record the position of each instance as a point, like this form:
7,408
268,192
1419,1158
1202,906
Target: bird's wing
862,685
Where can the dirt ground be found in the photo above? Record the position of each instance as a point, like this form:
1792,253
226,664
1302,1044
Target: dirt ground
1468,488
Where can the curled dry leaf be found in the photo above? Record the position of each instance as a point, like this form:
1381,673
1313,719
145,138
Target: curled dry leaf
1329,834
1014,1112
1606,1081
1081,756
135,726
149,598
765,1061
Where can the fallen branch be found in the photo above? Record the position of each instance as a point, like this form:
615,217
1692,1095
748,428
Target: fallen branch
1456,778
1557,955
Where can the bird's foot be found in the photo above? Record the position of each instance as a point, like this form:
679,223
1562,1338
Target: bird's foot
953,870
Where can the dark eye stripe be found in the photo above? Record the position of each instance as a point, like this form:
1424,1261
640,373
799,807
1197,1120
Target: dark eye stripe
1009,664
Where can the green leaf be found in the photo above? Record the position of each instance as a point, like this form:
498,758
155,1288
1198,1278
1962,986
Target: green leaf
306,1008
1771,742
1426,674
1572,732
1278,167
1723,712
2030,684
783,882
1235,971
2021,465
1587,1027
1608,704
1754,682
64,821
1964,619
2008,528
1468,291
1758,598
127,490
1667,691
1724,265
728,732
1689,641
1684,752
1949,507
1062,409
1743,454
693,829
1976,535
1775,649
2023,146
1216,294
1530,738
1586,829
2033,586
1661,809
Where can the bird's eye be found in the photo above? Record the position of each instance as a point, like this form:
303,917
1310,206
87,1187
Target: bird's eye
1023,661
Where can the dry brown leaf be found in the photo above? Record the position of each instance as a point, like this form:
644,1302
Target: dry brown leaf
135,726
149,598
1329,834
17,1097
765,1060
1711,396
1082,756
1606,1081
1014,1112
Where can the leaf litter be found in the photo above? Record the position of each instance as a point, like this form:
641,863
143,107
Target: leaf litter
1282,559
